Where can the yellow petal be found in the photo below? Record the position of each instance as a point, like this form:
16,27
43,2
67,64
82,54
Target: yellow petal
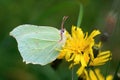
104,53
109,77
92,75
83,62
80,70
96,75
77,59
94,33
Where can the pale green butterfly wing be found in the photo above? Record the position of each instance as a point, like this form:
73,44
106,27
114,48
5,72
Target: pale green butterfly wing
38,44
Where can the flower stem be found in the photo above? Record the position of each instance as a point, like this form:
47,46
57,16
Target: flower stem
80,16
72,74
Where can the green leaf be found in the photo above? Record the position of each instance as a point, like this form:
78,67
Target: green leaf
38,44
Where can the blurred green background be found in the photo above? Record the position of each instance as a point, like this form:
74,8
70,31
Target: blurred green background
100,14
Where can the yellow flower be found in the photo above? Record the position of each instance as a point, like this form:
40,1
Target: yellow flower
81,49
100,57
78,46
94,74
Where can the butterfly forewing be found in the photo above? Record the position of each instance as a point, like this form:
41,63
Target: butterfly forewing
37,44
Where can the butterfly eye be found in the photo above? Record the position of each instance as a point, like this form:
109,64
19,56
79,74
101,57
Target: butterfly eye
62,31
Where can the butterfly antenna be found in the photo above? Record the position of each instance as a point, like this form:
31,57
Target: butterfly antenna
63,21
62,26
